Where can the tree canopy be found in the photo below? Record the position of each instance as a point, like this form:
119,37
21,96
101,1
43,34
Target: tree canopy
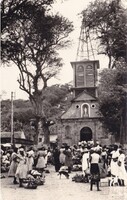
12,11
58,99
31,38
106,22
113,98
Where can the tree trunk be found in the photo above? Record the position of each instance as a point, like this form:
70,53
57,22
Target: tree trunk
40,117
46,135
123,130
38,110
46,131
37,119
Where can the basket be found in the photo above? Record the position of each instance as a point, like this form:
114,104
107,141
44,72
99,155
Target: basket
78,178
30,185
40,180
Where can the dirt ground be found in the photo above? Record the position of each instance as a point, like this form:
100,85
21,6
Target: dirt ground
60,189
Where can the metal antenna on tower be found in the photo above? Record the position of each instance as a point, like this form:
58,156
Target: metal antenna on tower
85,49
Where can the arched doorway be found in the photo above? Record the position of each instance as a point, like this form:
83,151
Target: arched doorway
85,134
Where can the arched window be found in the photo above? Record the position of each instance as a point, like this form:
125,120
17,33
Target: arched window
80,76
85,110
80,68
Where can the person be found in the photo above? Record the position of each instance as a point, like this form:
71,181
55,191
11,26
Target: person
98,146
83,146
85,163
1,155
6,158
30,158
62,156
103,163
56,154
22,169
94,169
122,174
74,149
68,158
13,165
49,156
114,159
40,166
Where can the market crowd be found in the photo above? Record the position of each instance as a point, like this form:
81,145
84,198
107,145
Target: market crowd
94,161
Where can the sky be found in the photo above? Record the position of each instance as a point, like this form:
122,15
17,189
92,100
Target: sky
71,10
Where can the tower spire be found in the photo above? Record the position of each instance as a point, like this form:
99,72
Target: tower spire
85,50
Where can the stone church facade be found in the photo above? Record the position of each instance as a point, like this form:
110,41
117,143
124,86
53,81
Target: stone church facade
81,122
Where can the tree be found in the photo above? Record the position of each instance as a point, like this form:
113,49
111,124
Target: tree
23,113
106,22
32,44
58,99
113,100
11,12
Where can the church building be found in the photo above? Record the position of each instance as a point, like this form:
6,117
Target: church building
81,122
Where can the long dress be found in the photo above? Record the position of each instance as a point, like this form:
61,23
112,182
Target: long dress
22,168
103,165
41,159
30,160
122,174
114,165
68,159
13,166
56,155
62,156
85,158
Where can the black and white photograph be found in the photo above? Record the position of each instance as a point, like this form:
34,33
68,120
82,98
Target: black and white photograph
63,100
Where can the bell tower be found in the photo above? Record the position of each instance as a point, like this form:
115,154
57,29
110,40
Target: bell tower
81,122
85,68
85,76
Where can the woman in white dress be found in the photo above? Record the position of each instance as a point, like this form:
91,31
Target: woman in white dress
85,163
30,159
114,159
14,165
62,156
22,169
122,174
41,159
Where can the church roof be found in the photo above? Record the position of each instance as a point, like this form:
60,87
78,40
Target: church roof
88,61
84,96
